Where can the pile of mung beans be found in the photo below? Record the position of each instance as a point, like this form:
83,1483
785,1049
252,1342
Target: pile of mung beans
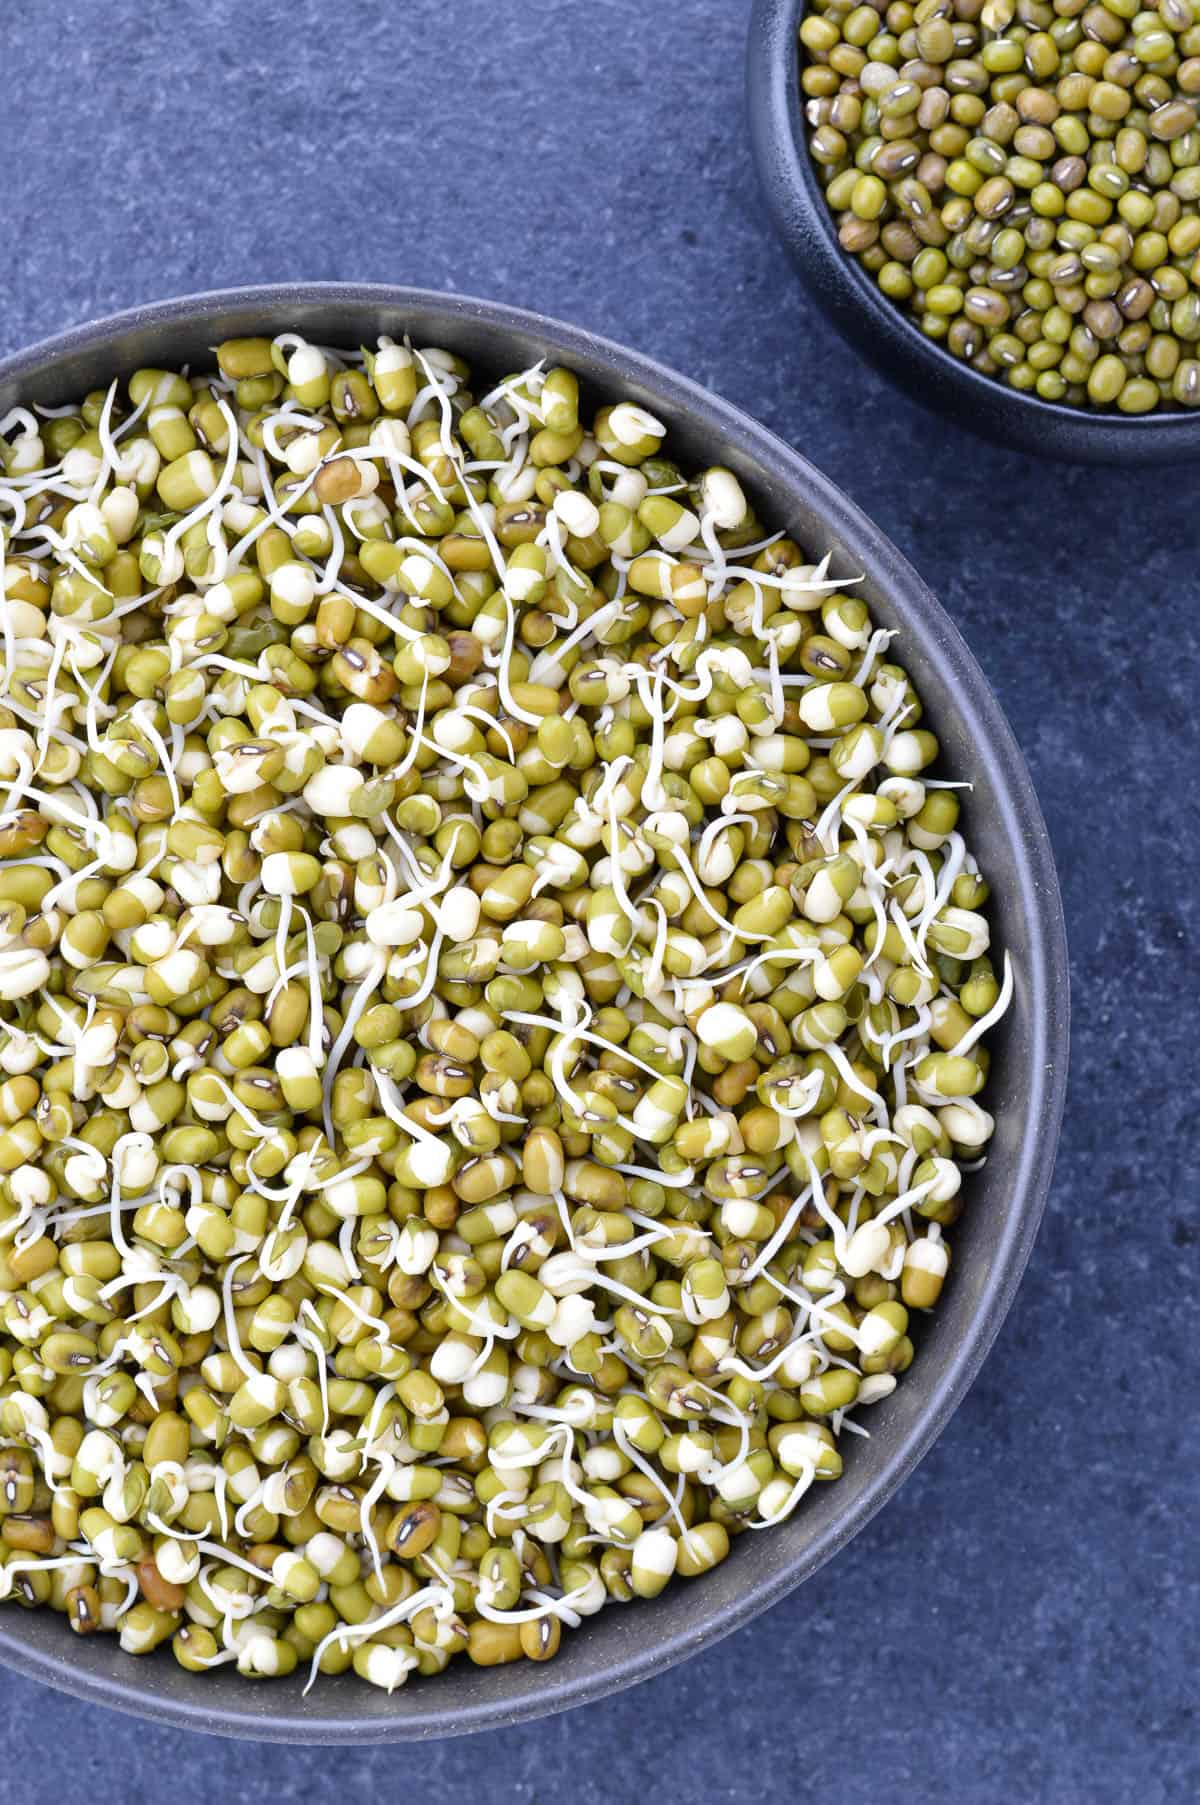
491,1000
1023,178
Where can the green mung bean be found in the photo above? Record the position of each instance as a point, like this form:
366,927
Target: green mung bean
1063,132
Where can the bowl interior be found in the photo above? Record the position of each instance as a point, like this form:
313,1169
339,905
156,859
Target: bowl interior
990,1244
880,329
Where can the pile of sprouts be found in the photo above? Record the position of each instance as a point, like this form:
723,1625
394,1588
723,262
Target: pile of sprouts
491,1012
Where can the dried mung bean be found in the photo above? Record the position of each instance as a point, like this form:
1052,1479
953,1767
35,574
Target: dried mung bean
1074,134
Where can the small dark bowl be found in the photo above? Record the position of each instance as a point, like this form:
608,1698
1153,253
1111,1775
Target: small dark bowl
876,326
1029,1063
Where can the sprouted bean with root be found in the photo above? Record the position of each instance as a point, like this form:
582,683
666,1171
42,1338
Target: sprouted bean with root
491,1012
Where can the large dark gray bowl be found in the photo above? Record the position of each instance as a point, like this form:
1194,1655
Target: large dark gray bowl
875,326
991,1244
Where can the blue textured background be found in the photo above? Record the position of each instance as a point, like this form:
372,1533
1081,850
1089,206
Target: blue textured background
1021,1623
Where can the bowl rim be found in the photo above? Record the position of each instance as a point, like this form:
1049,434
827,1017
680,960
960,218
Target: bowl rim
1044,1066
879,329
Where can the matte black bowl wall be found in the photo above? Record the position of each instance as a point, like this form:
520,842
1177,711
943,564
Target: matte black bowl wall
992,1242
875,326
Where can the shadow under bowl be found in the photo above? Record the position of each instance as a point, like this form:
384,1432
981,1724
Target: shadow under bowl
1026,1088
880,330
